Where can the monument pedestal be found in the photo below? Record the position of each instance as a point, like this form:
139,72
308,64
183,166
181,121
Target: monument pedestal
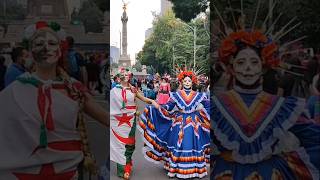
57,11
124,61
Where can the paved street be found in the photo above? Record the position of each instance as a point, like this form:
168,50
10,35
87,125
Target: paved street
98,138
143,169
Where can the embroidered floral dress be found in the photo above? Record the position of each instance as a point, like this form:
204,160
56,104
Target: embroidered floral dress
178,134
257,135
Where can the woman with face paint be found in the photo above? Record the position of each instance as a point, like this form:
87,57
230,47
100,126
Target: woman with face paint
257,135
163,94
43,135
177,133
123,108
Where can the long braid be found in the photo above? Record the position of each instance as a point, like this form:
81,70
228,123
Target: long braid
89,161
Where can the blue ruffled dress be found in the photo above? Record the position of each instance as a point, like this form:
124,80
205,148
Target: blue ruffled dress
179,134
256,135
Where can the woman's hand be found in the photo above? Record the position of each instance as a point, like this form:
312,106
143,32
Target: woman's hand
155,104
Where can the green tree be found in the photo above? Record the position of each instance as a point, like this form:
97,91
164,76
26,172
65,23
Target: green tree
91,16
11,10
306,12
172,43
189,9
138,66
103,5
114,65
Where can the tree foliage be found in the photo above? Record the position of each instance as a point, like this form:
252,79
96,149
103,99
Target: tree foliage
172,43
11,10
103,5
91,16
307,12
189,9
138,66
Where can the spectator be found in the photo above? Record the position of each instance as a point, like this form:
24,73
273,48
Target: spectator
270,81
76,62
101,59
3,69
93,70
116,80
292,83
105,76
18,56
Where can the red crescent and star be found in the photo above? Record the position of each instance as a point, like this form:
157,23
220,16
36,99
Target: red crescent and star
124,119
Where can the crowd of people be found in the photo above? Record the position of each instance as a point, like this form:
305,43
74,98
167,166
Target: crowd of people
158,87
175,125
90,68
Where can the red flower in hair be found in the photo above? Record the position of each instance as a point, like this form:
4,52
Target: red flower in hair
257,35
190,74
227,49
268,55
41,24
237,35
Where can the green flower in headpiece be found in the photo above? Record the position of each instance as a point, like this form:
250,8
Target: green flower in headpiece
54,26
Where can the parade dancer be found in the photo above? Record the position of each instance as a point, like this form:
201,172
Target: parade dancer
178,133
257,135
42,128
164,90
123,108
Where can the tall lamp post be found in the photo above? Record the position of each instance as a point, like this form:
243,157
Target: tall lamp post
194,30
171,44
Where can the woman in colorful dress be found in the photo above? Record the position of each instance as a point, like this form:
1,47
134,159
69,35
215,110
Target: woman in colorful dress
123,109
43,134
164,90
257,135
178,133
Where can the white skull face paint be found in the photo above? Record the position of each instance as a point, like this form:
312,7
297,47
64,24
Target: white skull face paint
187,82
45,49
247,66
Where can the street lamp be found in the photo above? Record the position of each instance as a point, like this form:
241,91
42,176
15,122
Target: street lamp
169,43
194,30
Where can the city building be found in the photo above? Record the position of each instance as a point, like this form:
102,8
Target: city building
165,6
114,54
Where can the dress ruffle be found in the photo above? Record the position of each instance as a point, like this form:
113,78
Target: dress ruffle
161,134
260,145
281,144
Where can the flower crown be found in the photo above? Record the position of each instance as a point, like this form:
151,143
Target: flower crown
30,30
122,70
268,50
184,72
